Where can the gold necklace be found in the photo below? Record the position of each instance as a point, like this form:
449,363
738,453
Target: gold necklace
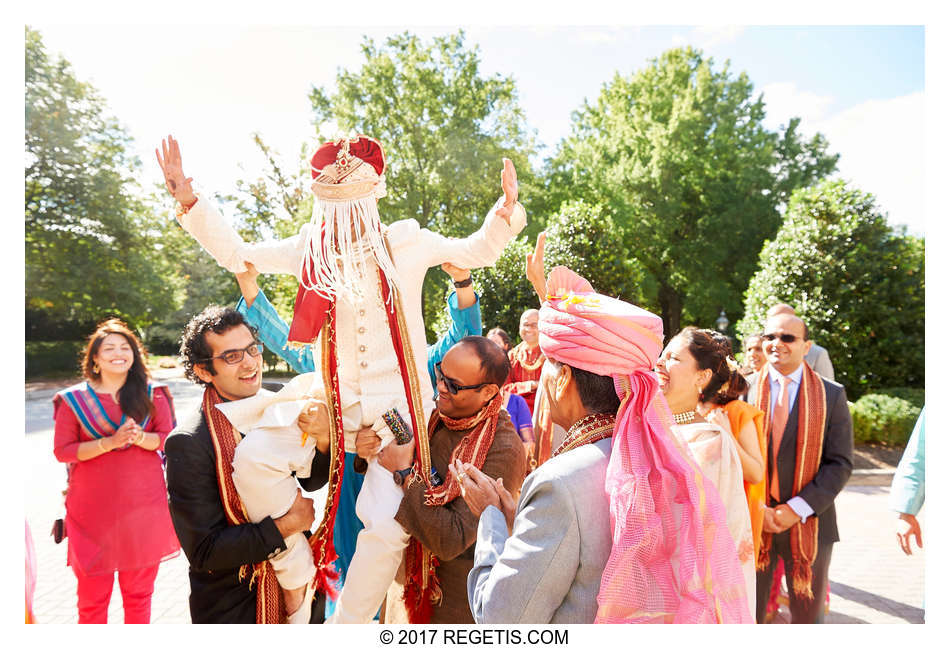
587,430
521,355
683,417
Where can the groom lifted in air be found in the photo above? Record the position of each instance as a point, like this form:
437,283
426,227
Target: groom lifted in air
360,298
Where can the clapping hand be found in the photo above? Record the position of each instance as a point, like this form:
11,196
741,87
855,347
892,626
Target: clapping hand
479,491
509,184
125,435
169,159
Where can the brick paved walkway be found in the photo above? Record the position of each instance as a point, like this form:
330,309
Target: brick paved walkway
872,581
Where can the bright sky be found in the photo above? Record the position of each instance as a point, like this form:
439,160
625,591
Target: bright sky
862,87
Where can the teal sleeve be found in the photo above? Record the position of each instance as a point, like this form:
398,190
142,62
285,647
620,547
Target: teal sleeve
273,331
465,322
907,488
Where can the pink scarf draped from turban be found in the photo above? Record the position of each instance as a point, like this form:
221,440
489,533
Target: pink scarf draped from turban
673,559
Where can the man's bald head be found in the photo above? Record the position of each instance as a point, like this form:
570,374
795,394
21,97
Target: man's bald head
529,327
785,355
779,309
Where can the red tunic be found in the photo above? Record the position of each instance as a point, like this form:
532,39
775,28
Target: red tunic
116,504
525,367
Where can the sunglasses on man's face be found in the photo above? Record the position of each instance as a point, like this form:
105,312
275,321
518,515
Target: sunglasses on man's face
785,338
451,384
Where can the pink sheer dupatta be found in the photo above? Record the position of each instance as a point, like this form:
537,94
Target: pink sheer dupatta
673,559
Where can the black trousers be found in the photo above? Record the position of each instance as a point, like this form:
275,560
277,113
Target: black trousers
804,611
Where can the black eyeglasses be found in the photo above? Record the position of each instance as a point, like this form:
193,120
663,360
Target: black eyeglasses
235,356
451,385
785,338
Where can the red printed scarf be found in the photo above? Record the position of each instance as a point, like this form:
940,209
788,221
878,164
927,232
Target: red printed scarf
270,602
811,432
422,585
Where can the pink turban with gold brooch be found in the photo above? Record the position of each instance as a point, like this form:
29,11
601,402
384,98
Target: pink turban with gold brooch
672,557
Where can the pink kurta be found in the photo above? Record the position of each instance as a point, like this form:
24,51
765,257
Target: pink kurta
116,504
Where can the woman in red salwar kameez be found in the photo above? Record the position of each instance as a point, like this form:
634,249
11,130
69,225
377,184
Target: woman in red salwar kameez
109,430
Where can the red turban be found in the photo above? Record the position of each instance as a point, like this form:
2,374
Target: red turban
365,148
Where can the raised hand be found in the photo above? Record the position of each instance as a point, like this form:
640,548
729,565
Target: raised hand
534,267
509,184
457,274
169,159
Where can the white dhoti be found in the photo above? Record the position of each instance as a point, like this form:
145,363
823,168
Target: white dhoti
264,463
273,449
379,549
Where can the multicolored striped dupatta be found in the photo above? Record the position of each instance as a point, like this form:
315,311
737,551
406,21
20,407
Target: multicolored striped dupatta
94,423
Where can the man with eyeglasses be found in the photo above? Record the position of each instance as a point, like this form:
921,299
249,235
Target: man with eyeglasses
809,460
469,425
232,579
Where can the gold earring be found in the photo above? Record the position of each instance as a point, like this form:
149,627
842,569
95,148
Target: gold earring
95,368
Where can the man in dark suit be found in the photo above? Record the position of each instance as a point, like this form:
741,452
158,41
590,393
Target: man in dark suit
220,351
810,446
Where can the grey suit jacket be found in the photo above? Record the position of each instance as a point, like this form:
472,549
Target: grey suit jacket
549,569
818,359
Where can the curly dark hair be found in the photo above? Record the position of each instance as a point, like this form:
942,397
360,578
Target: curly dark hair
133,395
712,350
195,349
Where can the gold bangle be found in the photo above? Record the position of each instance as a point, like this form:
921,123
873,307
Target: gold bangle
140,439
101,447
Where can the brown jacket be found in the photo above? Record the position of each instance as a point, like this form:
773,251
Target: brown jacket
449,531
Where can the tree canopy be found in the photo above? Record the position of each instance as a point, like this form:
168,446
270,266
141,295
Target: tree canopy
89,252
679,154
444,126
857,284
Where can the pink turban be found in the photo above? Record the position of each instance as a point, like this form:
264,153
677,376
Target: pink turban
594,332
672,558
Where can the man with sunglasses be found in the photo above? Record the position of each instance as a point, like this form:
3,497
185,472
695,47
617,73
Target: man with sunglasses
469,425
224,548
809,460
816,356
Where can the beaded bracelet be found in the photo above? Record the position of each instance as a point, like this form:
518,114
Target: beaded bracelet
398,426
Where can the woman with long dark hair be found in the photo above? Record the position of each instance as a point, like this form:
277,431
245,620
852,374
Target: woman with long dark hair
691,370
108,431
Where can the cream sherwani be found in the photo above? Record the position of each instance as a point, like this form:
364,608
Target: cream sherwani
368,370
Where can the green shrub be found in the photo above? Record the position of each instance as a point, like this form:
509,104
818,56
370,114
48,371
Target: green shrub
883,419
913,395
52,357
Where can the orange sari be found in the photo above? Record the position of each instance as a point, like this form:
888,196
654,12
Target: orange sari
740,413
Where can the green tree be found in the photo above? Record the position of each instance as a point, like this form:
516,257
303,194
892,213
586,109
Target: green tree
89,252
858,284
578,237
444,127
679,155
